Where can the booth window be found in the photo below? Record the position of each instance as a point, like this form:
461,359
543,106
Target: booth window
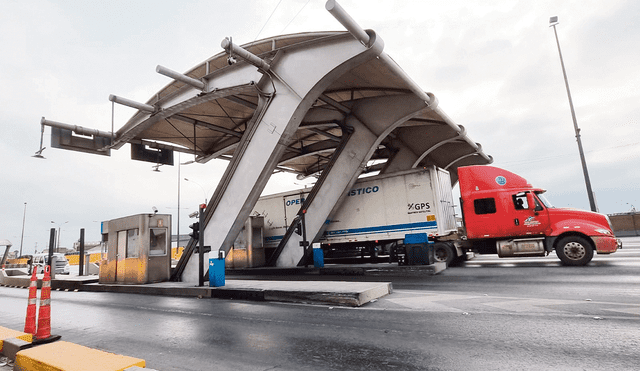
133,250
158,242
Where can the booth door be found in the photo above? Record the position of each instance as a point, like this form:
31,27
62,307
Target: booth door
121,254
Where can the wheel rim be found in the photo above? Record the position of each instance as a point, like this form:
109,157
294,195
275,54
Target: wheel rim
441,255
574,251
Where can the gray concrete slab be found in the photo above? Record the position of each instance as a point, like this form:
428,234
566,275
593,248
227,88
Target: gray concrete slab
353,294
337,292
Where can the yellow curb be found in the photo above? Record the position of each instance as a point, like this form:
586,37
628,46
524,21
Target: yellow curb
6,333
65,356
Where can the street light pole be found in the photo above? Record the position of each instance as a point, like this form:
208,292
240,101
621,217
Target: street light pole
201,187
23,219
553,21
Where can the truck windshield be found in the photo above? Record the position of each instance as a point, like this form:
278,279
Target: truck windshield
544,200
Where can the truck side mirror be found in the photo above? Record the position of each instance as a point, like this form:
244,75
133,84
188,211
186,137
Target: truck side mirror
531,203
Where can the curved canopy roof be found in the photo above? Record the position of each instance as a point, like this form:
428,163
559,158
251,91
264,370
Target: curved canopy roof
211,125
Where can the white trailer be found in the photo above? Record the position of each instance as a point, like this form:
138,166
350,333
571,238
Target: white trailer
376,214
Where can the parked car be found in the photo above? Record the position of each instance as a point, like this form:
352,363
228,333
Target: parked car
61,263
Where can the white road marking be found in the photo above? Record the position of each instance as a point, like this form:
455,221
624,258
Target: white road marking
531,305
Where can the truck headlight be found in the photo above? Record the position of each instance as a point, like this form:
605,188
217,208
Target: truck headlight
604,231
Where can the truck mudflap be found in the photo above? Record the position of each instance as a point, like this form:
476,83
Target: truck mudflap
606,245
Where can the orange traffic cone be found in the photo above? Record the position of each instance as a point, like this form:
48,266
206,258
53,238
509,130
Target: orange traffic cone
30,321
44,315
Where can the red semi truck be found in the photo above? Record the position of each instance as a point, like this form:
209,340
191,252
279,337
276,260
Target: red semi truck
502,213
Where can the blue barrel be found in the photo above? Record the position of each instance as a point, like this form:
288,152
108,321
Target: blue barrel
216,272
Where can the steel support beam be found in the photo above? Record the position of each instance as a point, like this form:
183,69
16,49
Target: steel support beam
260,150
371,119
401,160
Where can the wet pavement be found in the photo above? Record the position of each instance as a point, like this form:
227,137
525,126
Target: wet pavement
528,314
6,364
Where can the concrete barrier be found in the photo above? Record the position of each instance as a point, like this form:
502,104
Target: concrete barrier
62,355
93,269
16,271
626,225
6,334
8,277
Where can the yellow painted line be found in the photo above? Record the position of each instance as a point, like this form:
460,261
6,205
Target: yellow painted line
65,356
6,333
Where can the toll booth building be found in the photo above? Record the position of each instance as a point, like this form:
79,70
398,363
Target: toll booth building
138,249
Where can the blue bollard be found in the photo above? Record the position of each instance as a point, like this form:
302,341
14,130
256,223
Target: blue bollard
318,258
216,272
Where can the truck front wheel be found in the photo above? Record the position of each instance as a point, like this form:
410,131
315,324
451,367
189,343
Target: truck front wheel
574,250
443,252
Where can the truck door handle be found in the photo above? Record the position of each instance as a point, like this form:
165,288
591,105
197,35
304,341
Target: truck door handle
516,221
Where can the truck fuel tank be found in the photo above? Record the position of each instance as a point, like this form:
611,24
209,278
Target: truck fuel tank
521,247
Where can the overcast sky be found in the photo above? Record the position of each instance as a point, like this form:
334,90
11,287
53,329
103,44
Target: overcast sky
493,65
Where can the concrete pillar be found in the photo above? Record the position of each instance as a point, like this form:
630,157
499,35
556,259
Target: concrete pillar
372,119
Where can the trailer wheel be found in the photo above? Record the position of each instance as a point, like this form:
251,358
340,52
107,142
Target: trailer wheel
574,250
443,252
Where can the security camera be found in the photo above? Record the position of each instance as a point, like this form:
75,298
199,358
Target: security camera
231,61
155,210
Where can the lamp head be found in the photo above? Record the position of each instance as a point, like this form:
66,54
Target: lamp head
39,153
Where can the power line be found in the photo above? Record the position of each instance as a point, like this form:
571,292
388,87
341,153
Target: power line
265,23
295,16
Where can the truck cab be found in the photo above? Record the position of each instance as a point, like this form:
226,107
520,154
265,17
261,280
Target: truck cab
503,214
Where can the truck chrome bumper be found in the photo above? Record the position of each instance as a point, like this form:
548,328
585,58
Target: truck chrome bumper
607,245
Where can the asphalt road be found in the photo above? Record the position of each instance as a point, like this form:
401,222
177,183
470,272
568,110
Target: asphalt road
526,314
